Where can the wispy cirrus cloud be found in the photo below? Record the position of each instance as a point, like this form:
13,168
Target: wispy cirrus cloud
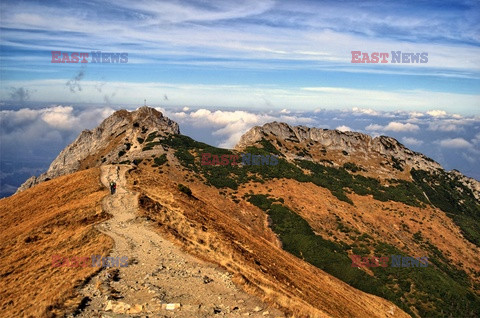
275,31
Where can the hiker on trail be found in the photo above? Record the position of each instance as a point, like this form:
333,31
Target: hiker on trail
113,187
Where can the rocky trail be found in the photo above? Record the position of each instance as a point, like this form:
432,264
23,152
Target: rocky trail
160,279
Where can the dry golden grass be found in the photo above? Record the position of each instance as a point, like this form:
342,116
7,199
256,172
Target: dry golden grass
392,222
237,237
54,217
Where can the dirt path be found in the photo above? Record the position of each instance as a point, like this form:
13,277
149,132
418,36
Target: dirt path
160,280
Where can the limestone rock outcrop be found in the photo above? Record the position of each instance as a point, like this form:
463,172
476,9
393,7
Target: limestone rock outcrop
115,139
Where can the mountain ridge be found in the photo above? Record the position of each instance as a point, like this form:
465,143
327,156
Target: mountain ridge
385,151
332,194
105,138
75,155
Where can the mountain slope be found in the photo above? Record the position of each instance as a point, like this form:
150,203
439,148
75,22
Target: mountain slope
135,288
286,232
52,218
237,237
453,270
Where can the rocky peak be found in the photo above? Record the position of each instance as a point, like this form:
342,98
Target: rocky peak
116,136
381,155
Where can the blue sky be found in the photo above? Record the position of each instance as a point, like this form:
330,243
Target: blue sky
235,64
279,50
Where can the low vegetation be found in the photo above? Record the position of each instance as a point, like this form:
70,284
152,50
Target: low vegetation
183,188
52,218
158,161
350,166
443,290
450,195
337,179
437,285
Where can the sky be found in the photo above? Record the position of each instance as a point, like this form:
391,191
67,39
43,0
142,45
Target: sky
235,64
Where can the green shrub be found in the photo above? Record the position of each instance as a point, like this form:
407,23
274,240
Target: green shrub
351,167
417,237
158,161
448,289
184,189
186,158
151,136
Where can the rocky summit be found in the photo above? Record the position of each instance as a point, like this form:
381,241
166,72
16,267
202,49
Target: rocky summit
301,141
343,225
118,134
380,157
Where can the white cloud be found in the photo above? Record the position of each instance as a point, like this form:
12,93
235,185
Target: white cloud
400,127
18,117
60,117
365,111
31,133
285,111
443,126
455,143
394,126
416,114
231,125
56,117
437,113
180,115
220,117
344,128
412,141
374,127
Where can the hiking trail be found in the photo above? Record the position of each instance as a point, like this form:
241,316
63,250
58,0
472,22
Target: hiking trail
160,279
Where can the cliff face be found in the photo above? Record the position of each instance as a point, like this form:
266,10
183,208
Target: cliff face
380,157
114,140
356,145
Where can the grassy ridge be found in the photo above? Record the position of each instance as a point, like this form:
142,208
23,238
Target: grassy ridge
443,192
338,180
438,290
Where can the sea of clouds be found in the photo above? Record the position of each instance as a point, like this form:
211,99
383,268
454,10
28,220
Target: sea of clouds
33,134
